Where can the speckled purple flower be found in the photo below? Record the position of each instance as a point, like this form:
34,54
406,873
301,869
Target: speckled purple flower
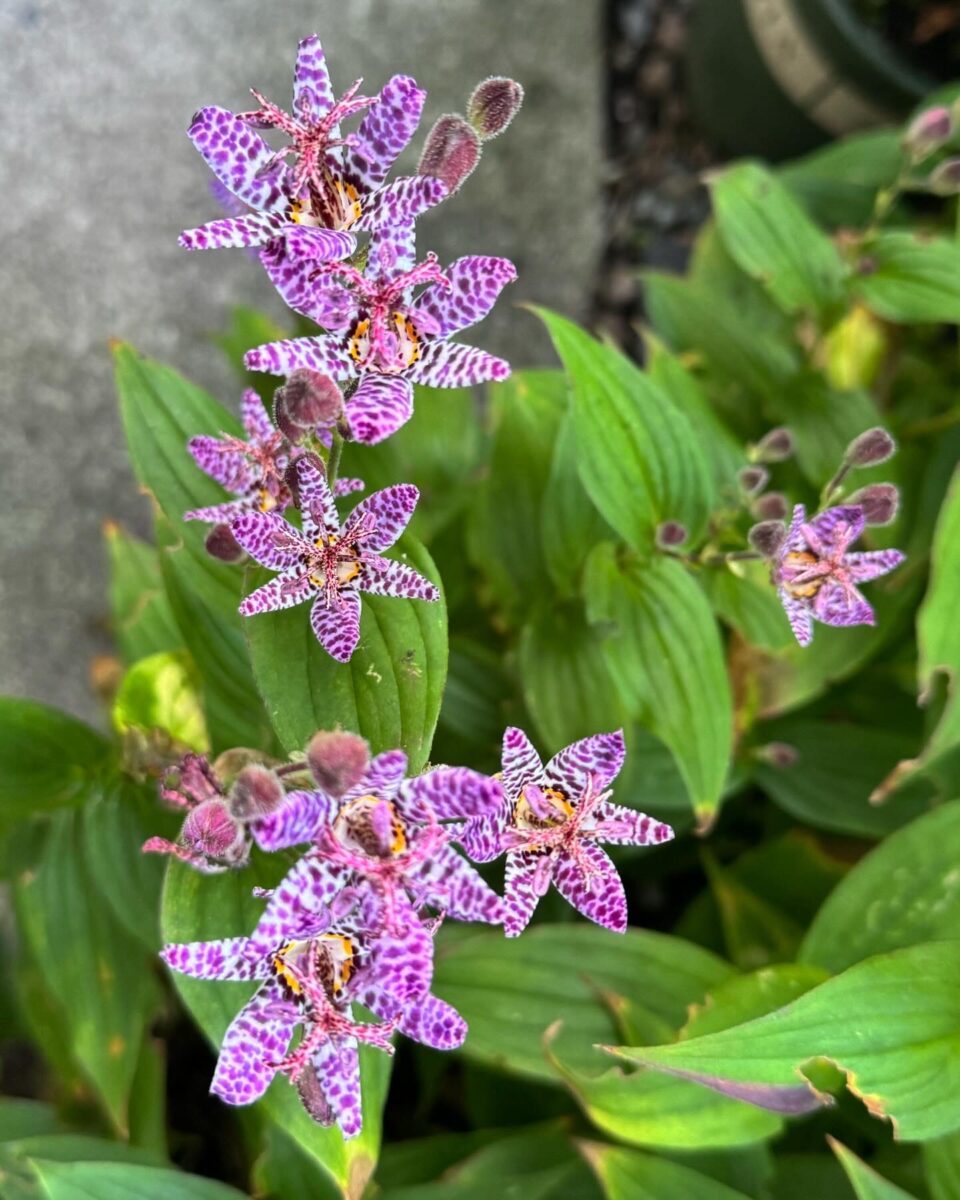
549,823
254,469
816,576
331,563
384,334
333,183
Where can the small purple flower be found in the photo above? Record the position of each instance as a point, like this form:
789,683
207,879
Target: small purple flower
212,839
549,823
816,575
384,335
254,469
333,183
329,562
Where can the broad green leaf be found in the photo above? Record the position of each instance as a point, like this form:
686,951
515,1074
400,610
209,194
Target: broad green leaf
744,598
98,975
570,525
891,1023
638,455
741,998
773,240
823,422
910,278
18,1159
248,328
905,891
941,1162
512,992
197,907
867,1184
633,1175
142,621
158,693
800,1176
389,692
838,184
503,525
26,1118
285,1169
472,716
755,931
421,1159
48,760
123,1181
666,655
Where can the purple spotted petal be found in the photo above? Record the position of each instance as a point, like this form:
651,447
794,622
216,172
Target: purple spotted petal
222,514
379,407
403,200
385,131
285,591
402,964
388,512
295,821
258,1036
836,605
392,250
291,276
598,758
337,628
794,541
452,364
526,878
229,958
870,564
798,614
254,416
317,505
835,529
325,354
622,826
598,892
240,158
476,282
398,579
433,1022
300,906
521,763
450,884
337,1066
251,229
449,794
381,778
222,462
307,242
481,838
344,487
269,539
312,91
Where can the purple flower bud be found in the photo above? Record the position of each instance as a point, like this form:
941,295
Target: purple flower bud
753,480
945,179
256,792
880,503
293,433
337,760
451,152
228,765
671,533
306,400
775,446
493,105
771,506
767,537
210,830
927,132
872,447
220,543
779,754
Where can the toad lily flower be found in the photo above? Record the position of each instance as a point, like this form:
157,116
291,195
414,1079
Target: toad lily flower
816,575
333,183
384,335
549,824
329,562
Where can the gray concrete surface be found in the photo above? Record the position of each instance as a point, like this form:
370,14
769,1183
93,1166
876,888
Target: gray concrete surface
98,177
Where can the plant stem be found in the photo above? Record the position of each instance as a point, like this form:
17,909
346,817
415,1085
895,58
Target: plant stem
333,458
716,558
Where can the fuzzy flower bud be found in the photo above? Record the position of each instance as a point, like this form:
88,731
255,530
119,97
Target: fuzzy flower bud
451,152
767,537
220,543
256,793
775,446
306,400
872,447
493,105
771,506
753,480
927,132
337,760
670,534
210,830
880,503
778,754
945,179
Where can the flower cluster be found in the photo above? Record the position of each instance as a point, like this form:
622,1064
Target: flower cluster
353,920
386,319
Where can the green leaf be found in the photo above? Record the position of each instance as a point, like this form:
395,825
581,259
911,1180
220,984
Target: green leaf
667,659
638,455
48,760
18,1159
755,931
122,1181
142,621
248,328
158,693
773,240
838,184
199,907
503,527
511,992
389,692
94,970
941,1163
867,1184
910,278
570,525
26,1118
474,701
743,597
905,891
632,1175
800,1176
891,1023
823,422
